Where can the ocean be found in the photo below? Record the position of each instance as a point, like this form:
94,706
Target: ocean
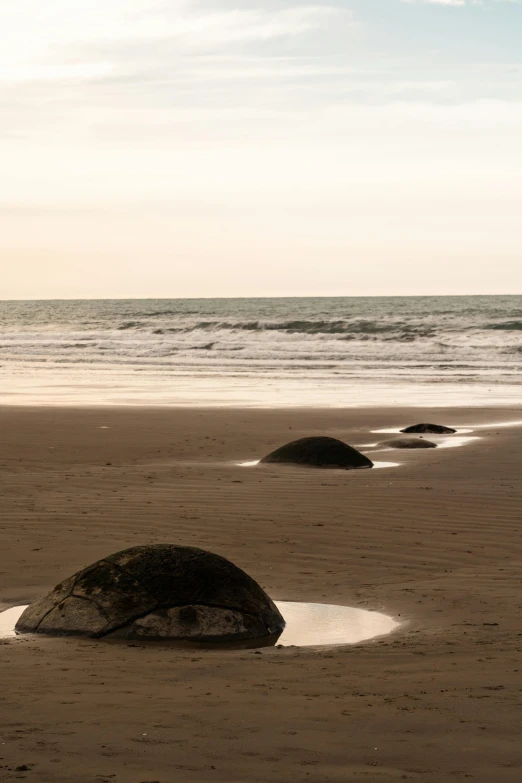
258,352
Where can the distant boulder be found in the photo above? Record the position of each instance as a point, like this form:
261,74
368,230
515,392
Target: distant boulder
319,452
159,591
410,443
435,429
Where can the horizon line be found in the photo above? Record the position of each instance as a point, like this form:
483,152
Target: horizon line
244,297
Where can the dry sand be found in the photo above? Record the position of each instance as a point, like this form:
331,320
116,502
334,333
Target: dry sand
437,541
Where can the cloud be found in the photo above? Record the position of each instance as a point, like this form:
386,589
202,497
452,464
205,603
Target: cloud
68,70
57,33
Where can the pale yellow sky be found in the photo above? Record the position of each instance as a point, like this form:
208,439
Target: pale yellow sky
280,149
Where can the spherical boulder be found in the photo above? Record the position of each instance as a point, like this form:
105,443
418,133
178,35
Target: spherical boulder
435,429
410,443
160,591
319,452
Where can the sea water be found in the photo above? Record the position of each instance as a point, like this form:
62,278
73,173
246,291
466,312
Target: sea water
300,351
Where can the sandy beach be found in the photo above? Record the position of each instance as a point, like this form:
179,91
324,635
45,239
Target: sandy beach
435,542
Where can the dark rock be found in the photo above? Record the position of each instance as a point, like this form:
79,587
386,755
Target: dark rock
436,429
319,452
410,443
159,591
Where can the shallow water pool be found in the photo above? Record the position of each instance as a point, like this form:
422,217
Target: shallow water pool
8,620
307,624
255,462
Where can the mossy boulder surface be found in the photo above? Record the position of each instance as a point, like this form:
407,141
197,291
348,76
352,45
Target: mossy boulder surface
435,429
410,443
160,591
319,452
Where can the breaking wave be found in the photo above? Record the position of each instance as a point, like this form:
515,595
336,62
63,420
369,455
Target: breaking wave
348,328
506,326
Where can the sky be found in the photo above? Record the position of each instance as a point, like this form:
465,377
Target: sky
155,148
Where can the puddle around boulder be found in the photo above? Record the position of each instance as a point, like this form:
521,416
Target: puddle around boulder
454,441
255,462
310,625
429,435
8,620
446,441
307,625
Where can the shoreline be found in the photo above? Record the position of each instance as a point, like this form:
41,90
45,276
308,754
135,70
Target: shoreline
446,396
434,543
302,409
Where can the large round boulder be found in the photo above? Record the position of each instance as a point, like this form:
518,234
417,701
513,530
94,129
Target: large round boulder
319,452
159,591
410,443
435,429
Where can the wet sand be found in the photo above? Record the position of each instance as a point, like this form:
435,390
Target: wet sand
435,542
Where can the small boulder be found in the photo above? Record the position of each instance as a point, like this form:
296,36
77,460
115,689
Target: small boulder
435,429
410,443
159,591
319,452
